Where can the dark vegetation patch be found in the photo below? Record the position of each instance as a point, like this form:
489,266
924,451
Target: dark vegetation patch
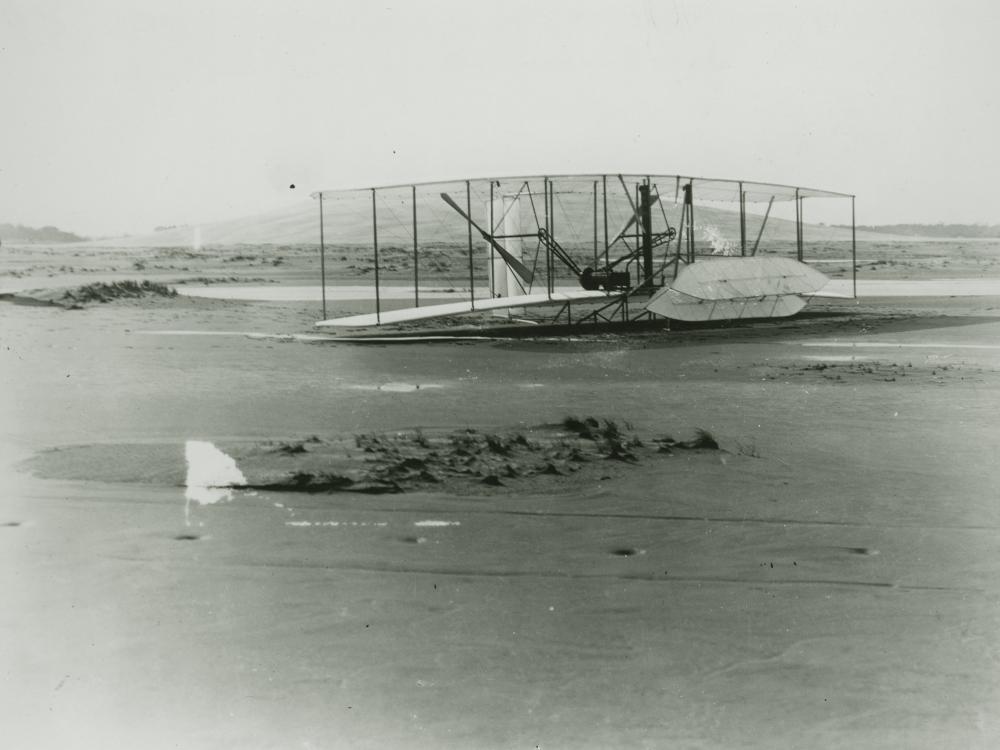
75,299
314,482
290,448
873,370
209,280
108,291
465,460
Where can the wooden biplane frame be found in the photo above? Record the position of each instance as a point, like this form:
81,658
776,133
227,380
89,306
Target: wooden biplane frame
612,288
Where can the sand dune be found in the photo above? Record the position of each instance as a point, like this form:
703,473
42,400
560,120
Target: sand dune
348,221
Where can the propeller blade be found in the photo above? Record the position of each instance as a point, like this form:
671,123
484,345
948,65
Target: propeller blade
517,266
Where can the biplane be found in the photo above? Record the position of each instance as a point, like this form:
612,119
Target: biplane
611,248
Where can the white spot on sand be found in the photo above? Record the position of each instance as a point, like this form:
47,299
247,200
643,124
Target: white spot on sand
834,357
399,387
396,387
898,345
211,475
355,524
437,523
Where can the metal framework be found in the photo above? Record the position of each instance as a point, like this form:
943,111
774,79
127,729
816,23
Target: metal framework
583,209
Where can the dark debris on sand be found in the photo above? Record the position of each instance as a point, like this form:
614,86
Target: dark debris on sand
466,460
108,291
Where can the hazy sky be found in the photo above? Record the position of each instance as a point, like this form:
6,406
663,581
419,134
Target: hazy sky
119,115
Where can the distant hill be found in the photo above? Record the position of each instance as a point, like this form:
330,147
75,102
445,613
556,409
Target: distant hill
982,231
298,225
347,221
18,233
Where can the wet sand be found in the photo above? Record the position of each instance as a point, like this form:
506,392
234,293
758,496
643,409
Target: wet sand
827,578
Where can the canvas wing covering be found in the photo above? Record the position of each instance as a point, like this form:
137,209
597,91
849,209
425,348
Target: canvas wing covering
734,278
676,305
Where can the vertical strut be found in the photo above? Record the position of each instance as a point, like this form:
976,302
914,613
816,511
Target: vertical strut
472,277
548,252
690,197
680,236
688,211
322,256
595,224
604,190
646,219
378,293
798,227
416,272
743,221
802,228
854,254
552,234
763,224
493,229
638,220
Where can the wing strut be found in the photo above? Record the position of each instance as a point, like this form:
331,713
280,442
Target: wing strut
518,267
762,225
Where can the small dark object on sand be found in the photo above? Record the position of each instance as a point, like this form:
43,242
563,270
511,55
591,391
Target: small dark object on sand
624,552
587,428
703,440
290,448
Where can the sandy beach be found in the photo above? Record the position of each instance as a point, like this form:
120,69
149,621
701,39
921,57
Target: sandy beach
524,376
826,577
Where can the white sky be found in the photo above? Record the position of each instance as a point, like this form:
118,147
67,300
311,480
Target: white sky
118,115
